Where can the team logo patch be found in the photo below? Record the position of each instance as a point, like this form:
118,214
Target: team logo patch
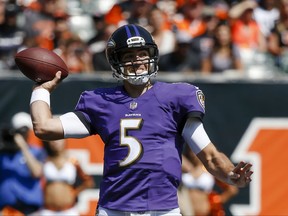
201,98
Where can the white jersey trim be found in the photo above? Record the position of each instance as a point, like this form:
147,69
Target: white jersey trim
195,135
72,126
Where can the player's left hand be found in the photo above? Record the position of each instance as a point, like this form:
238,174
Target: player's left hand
240,176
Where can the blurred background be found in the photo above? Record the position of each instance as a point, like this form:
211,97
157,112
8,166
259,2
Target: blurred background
235,51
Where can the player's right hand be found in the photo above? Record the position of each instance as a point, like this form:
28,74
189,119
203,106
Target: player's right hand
50,85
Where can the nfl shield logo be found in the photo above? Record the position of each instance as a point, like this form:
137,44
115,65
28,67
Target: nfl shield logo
133,105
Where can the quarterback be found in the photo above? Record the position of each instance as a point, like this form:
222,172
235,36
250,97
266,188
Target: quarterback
144,125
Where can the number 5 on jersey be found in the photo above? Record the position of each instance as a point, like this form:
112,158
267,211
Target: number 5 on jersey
134,145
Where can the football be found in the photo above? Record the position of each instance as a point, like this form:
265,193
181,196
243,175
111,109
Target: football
40,65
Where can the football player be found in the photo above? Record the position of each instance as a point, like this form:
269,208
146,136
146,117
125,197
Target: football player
143,124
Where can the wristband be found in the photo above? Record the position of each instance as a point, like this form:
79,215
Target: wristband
40,94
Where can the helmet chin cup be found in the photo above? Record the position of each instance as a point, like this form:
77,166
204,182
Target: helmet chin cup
138,80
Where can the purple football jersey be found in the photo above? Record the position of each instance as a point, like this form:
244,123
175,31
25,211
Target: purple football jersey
143,142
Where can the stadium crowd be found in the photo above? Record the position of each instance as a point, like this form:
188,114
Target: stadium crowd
194,36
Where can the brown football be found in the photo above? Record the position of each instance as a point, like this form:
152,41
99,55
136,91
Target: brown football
40,65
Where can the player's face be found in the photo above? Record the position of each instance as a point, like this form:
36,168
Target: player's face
136,61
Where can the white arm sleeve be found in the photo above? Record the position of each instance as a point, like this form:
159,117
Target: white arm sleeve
195,135
72,126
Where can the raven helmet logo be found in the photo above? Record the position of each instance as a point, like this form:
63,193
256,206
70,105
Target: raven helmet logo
111,43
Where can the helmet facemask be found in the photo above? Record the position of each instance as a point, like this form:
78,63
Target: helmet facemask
127,70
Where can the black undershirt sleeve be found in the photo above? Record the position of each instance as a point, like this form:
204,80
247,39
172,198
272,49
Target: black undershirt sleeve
82,118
